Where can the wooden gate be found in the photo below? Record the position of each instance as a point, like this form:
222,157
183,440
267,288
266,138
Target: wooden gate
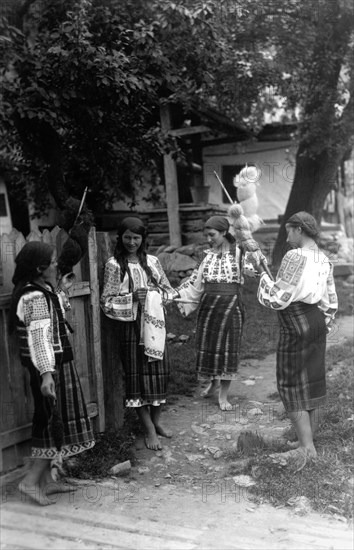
85,318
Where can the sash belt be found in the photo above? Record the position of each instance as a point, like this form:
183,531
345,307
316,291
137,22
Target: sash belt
226,289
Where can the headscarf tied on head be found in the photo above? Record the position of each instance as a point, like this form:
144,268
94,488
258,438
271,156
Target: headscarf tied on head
307,223
219,223
133,224
32,259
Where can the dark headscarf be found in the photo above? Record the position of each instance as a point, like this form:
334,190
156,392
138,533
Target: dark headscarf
133,224
31,261
307,223
220,223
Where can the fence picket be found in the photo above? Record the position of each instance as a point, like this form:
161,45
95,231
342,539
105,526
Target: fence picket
19,242
34,236
7,253
46,237
54,232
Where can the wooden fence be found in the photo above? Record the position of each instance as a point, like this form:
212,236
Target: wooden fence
93,341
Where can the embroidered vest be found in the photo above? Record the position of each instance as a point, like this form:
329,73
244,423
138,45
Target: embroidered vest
61,344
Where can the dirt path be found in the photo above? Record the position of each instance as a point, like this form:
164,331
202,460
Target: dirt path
184,496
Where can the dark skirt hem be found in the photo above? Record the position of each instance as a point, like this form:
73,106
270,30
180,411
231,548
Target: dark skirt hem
311,404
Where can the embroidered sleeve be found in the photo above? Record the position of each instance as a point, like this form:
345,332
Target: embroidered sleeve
329,301
169,291
279,294
191,291
113,303
33,311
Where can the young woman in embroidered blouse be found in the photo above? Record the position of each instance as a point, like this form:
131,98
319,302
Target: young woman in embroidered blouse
216,287
133,292
305,297
60,426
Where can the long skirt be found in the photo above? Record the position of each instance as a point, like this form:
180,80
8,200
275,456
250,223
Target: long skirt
301,357
75,430
218,336
145,381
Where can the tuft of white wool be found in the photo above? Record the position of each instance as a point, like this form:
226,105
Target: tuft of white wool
255,222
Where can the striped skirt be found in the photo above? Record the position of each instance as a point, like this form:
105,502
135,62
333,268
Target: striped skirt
301,351
219,331
75,427
145,381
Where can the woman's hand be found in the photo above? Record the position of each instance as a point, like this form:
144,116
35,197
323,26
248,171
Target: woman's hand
139,295
256,259
67,281
48,385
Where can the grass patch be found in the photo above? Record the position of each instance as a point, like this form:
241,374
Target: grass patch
345,298
261,329
111,448
183,376
328,482
337,354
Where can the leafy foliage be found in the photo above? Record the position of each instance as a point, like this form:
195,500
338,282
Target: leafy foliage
82,82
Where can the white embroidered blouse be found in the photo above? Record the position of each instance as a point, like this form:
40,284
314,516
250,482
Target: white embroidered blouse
117,299
38,319
216,267
305,275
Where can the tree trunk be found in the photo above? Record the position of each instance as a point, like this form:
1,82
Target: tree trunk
324,137
313,180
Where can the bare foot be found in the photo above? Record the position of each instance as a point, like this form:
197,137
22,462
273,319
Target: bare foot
311,453
162,431
210,389
225,405
35,492
59,487
152,442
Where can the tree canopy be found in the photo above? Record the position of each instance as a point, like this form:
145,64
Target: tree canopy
82,82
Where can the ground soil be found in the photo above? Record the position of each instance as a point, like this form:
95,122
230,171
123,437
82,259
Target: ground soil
184,495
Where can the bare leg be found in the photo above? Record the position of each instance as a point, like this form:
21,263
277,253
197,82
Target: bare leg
151,439
314,421
155,417
315,417
302,424
224,389
32,484
211,388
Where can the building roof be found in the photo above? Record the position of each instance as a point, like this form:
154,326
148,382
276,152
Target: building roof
221,123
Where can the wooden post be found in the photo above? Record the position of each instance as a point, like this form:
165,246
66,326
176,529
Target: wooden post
171,183
112,368
96,327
